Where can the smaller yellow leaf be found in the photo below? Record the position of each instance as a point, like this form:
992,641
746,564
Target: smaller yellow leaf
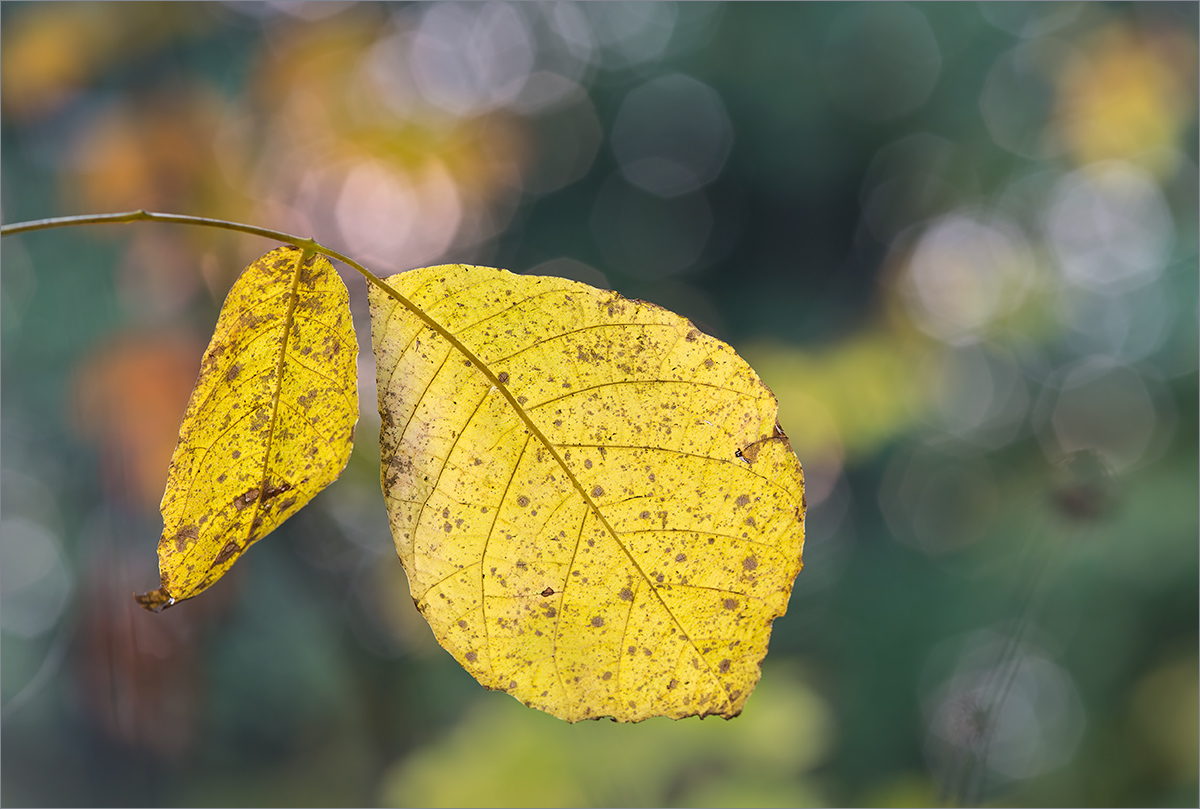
270,422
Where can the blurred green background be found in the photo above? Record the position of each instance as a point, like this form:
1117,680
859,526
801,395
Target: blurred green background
959,241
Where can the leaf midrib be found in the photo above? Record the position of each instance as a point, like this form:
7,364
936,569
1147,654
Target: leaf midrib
288,320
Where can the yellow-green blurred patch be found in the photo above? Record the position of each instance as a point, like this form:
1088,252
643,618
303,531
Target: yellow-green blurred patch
503,755
851,397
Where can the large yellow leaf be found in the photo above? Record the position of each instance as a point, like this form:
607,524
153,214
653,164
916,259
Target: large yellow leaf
270,422
596,508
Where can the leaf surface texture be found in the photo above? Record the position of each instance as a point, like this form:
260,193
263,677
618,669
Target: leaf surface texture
270,422
593,501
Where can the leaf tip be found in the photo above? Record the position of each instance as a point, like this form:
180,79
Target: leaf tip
155,601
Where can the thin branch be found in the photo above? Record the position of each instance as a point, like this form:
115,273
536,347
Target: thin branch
126,217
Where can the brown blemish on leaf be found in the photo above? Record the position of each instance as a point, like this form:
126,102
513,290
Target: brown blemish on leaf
626,594
597,491
522,501
246,498
730,603
681,557
743,500
471,657
750,562
229,550
549,591
724,667
597,621
749,453
503,377
184,537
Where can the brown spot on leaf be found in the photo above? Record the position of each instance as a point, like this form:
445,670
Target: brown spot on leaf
597,621
597,492
606,676
462,624
503,377
587,463
743,500
750,562
724,667
626,594
681,557
471,657
229,550
246,498
673,684
549,591
730,603
185,536
522,501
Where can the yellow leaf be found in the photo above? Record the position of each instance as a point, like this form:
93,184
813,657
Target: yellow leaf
596,508
270,422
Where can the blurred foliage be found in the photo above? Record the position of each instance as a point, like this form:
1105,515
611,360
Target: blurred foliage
958,240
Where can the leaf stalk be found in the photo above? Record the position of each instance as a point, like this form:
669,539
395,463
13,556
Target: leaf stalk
142,215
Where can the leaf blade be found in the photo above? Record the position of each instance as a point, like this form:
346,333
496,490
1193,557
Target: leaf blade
270,422
533,394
